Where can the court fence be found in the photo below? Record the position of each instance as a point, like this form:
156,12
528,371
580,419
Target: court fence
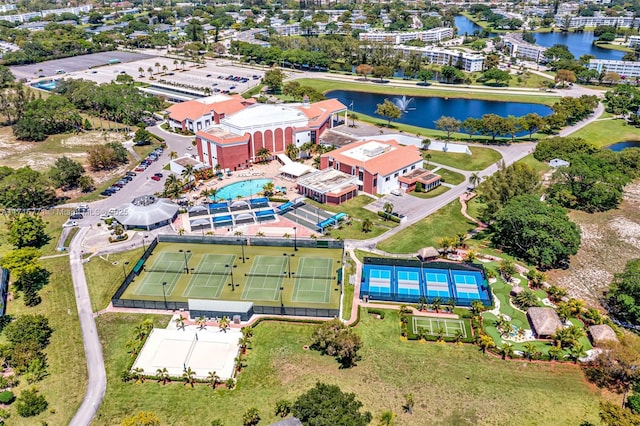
252,241
414,263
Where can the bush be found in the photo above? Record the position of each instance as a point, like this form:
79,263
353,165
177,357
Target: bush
388,216
7,397
31,404
378,312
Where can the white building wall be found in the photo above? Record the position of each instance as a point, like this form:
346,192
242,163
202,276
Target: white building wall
624,68
385,187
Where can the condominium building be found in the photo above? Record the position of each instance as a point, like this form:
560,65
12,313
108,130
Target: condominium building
26,17
626,69
522,49
434,35
594,21
634,40
469,62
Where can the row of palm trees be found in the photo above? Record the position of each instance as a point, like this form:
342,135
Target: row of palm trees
165,69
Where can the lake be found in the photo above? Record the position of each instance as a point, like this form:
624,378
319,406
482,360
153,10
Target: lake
466,25
617,147
423,111
578,43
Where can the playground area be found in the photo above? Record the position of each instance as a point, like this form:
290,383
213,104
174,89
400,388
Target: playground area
266,275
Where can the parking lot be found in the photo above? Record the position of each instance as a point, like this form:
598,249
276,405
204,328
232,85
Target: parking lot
170,75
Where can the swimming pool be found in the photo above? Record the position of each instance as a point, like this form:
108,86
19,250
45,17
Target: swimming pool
243,188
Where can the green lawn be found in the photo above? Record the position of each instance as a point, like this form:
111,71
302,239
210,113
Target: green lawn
64,387
356,211
480,158
451,384
54,219
104,278
446,222
433,193
430,91
607,132
539,166
449,176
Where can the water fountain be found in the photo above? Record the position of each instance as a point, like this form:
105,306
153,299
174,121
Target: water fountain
403,103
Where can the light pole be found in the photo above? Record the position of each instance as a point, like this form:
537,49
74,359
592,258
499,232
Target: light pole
124,270
242,243
295,238
164,295
144,246
289,256
186,263
281,303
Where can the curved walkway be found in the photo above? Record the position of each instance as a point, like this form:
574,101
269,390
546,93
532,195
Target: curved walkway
97,382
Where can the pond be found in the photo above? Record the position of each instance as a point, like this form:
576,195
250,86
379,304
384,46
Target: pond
466,25
617,147
578,43
423,111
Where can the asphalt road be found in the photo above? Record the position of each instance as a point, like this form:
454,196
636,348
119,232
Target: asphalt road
97,383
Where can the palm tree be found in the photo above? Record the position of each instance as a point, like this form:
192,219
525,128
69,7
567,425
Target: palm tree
224,323
427,157
450,304
576,352
387,418
150,71
476,307
247,331
213,379
175,64
180,322
138,375
213,192
501,324
238,360
133,346
188,172
470,256
292,151
506,350
244,342
474,180
217,168
173,155
141,71
268,189
529,350
183,63
163,375
157,65
436,304
576,306
388,208
172,186
408,403
189,376
555,352
201,322
486,342
564,311
367,225
526,299
426,143
458,335
165,69
263,154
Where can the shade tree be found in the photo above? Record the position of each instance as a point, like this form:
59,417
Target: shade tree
327,405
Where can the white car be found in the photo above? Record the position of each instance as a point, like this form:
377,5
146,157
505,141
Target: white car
70,224
105,216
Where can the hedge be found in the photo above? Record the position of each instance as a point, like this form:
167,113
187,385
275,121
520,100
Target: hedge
386,215
375,311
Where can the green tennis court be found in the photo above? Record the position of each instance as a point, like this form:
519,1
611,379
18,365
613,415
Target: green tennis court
166,269
449,327
259,285
210,277
313,280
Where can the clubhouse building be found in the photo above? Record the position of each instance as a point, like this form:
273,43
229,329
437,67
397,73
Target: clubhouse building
231,131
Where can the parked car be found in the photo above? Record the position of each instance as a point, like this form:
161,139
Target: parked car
131,174
107,193
156,178
76,216
140,169
105,216
82,208
70,224
232,87
158,174
127,178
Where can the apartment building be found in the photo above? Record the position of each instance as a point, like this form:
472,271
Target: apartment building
434,35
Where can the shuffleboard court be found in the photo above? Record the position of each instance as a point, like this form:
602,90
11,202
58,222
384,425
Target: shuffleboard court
265,278
313,282
210,277
433,326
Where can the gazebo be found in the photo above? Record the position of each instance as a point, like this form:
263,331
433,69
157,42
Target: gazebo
602,334
428,253
147,212
544,321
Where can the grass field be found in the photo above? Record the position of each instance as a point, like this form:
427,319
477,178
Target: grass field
480,158
54,219
539,166
451,384
356,211
302,274
64,387
446,222
433,193
432,91
449,176
607,132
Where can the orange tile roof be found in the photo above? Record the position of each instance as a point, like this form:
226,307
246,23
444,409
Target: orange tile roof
195,109
318,112
393,159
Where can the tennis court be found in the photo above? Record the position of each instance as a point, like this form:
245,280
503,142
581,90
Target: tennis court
313,280
449,327
437,284
210,277
408,282
466,286
379,280
166,269
265,278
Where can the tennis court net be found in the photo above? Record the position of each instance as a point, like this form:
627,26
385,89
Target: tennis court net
293,274
182,271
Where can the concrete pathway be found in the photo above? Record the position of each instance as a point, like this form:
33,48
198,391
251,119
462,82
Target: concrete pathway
97,383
